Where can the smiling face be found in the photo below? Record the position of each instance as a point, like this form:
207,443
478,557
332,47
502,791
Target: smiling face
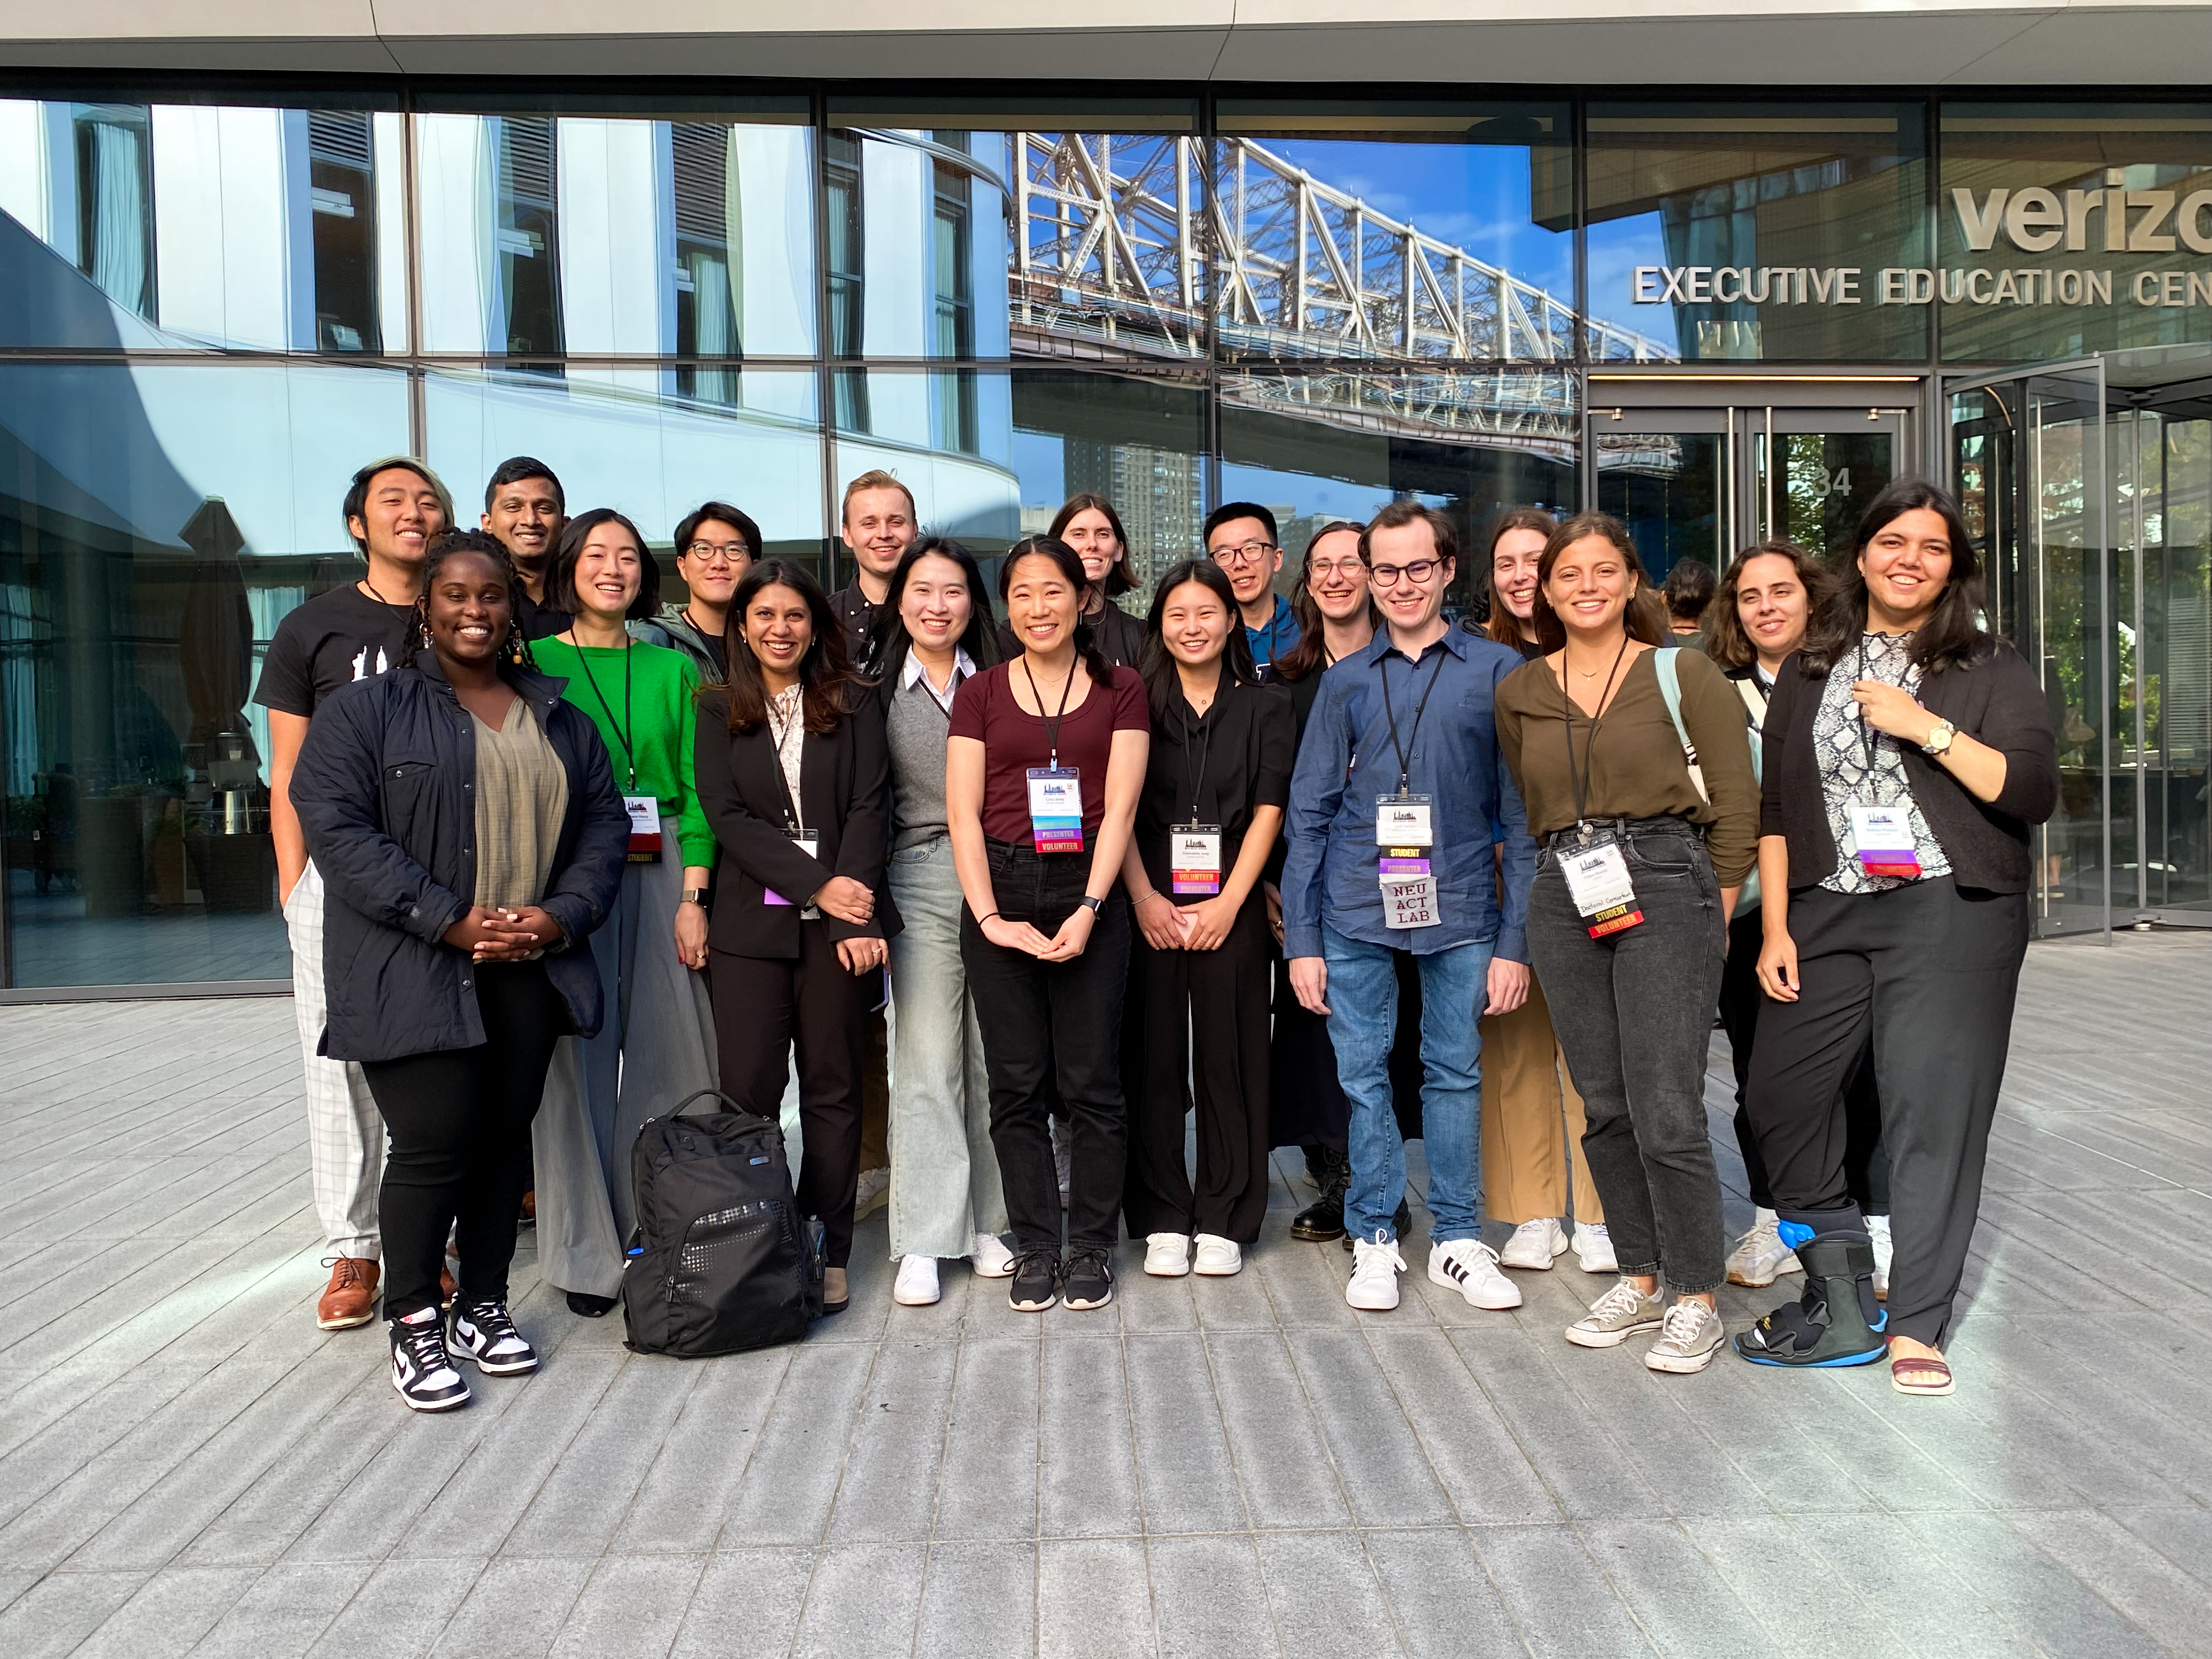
1513,562
717,556
779,625
470,610
1095,543
1247,555
1409,577
1907,566
399,516
527,515
878,527
935,602
1041,604
1194,624
1336,576
609,569
1590,587
1772,605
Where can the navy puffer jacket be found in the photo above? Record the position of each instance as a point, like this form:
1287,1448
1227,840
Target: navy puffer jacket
385,789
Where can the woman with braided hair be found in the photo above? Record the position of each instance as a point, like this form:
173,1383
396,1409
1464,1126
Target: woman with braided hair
471,835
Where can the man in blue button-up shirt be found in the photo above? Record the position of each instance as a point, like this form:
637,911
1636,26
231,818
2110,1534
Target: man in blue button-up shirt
1434,684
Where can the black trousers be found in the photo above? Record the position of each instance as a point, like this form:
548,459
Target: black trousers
1199,1017
1306,1103
1866,1164
1052,1042
1931,971
765,1007
460,1127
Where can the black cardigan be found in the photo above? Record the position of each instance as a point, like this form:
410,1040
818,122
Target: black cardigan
1996,701
844,787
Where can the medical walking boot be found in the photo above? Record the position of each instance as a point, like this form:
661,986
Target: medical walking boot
1836,1322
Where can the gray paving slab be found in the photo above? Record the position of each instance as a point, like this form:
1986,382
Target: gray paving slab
1094,1599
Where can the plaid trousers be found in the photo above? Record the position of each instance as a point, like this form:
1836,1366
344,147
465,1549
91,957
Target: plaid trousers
345,1136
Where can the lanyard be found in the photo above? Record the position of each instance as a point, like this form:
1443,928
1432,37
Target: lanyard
1567,721
1196,780
929,692
796,721
1406,749
1052,726
1866,740
621,726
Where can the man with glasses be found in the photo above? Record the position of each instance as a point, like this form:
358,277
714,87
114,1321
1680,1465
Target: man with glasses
714,547
526,507
1398,810
1240,537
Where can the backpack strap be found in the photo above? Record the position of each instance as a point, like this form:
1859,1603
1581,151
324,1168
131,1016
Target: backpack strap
1664,664
734,1108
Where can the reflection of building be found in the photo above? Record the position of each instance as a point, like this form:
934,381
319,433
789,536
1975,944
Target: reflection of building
1159,493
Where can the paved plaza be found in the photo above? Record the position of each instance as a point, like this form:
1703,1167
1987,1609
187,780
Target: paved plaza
1208,1467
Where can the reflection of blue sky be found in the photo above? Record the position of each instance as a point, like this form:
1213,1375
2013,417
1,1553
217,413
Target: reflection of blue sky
1616,248
1041,463
1307,496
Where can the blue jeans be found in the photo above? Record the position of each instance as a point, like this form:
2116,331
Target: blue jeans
1363,999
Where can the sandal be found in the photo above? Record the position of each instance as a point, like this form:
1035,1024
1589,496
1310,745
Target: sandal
1899,1369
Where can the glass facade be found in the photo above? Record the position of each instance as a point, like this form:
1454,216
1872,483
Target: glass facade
212,309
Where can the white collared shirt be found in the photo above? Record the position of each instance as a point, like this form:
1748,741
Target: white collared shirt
962,669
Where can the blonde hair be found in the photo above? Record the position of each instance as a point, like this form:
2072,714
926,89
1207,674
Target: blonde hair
875,479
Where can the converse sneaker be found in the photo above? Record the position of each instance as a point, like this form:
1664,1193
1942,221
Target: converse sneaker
1036,1281
1086,1282
871,1192
1167,1255
1878,1231
1689,1337
483,1332
1375,1265
420,1369
1760,1257
1534,1244
1470,1267
1216,1257
1594,1248
991,1259
1622,1312
916,1286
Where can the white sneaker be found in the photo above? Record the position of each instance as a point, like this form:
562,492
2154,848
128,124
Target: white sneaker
1470,1267
1878,1229
1375,1265
1594,1247
917,1281
1216,1257
1760,1257
1534,1244
1167,1255
991,1258
871,1192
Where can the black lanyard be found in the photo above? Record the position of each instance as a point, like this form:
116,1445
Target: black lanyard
930,691
793,818
621,726
1052,726
1197,781
1406,749
1567,720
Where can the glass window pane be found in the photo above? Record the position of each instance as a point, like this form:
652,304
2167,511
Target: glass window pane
153,226
162,520
962,488
683,232
1408,230
1782,232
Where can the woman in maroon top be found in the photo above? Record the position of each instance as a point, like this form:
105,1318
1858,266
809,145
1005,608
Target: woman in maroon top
1042,775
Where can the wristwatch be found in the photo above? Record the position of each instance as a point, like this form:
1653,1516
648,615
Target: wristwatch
1938,740
1090,904
696,894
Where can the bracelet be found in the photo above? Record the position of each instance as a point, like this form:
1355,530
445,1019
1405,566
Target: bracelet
1154,894
980,920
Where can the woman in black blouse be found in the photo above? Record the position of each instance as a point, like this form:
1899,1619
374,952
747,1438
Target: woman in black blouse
1216,782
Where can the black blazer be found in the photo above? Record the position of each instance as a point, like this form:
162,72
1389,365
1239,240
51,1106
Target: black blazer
845,789
1996,701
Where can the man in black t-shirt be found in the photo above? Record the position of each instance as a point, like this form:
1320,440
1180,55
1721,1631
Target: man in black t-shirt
393,511
876,526
527,508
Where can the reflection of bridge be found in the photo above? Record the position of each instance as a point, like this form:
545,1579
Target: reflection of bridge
1120,246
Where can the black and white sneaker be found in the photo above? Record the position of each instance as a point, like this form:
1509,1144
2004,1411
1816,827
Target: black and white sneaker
422,1369
483,1332
1086,1282
1036,1281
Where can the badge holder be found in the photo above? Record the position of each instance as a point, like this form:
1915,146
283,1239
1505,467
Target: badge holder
1598,883
811,844
644,827
1056,809
1405,829
1194,858
1882,838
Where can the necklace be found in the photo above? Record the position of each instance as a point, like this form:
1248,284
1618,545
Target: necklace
369,588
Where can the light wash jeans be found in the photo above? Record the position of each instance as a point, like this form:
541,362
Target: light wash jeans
945,1175
1363,999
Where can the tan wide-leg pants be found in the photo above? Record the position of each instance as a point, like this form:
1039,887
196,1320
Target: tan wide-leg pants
1531,1122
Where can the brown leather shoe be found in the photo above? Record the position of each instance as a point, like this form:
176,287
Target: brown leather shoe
530,1205
447,1291
350,1298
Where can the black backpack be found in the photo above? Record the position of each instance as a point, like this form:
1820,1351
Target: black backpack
721,1260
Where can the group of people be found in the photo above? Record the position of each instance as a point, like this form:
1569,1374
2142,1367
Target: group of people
1049,881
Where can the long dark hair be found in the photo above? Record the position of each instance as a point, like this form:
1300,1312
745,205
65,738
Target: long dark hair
1310,653
561,576
1502,624
833,690
1070,565
1952,636
1117,579
1726,642
888,648
1161,678
1641,618
451,544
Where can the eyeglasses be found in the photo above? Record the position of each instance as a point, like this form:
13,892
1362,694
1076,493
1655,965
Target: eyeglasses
1321,570
1246,553
723,552
1386,576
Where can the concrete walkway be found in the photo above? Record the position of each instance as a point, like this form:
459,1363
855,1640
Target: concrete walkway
1209,1467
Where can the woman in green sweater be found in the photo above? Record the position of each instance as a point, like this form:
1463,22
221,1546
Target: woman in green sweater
658,1043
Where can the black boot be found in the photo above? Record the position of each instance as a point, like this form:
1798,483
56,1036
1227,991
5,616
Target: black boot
1836,1322
1401,1222
1323,1218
